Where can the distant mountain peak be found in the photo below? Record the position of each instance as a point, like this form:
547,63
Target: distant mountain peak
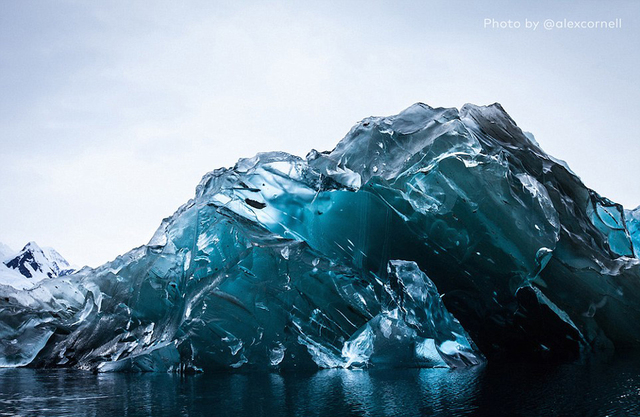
35,262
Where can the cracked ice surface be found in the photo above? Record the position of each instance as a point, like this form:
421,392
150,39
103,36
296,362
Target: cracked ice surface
433,237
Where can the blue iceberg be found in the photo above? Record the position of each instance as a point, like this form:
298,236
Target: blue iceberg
436,237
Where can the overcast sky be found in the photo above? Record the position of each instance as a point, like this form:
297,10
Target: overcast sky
111,111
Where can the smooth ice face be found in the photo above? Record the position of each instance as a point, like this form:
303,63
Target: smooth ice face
333,260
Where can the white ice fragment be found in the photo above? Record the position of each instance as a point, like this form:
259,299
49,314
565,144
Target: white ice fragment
276,354
358,350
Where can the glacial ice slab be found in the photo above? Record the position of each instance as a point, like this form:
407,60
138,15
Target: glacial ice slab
436,236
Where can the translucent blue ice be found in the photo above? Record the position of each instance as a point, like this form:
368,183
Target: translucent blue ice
433,237
633,223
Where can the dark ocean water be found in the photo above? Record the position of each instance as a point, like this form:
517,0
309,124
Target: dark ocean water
587,389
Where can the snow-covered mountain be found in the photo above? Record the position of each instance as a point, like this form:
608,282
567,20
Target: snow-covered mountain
31,265
5,252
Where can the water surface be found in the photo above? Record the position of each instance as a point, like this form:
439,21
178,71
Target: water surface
597,389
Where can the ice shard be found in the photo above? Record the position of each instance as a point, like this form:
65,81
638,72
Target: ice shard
436,236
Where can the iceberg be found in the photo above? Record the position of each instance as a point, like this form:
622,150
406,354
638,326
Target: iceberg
435,237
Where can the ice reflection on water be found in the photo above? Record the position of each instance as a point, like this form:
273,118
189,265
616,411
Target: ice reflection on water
527,390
